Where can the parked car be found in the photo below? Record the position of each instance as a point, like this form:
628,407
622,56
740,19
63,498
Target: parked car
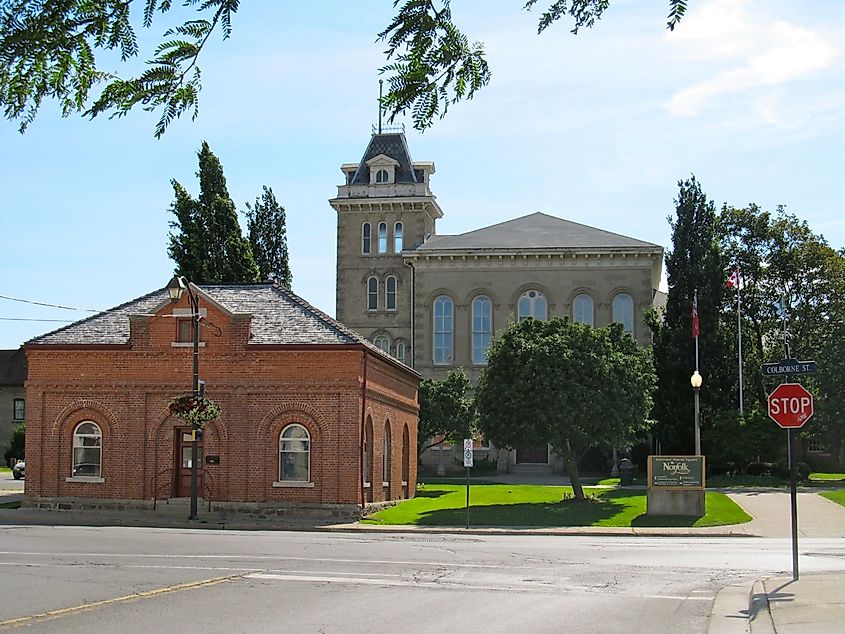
19,469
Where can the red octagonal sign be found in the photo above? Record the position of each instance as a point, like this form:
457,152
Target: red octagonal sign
790,405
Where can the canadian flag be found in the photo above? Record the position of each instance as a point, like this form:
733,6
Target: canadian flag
733,280
695,329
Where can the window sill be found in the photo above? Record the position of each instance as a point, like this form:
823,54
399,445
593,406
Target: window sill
91,479
385,484
185,344
366,485
293,485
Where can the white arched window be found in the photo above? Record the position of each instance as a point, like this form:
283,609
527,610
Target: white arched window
400,351
442,330
372,294
382,176
87,450
398,238
390,293
294,454
532,304
382,343
382,237
582,309
385,462
482,328
623,311
366,237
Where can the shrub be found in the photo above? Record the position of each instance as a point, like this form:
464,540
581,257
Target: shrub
17,443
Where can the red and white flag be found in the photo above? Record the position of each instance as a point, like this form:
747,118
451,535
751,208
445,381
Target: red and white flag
733,280
695,317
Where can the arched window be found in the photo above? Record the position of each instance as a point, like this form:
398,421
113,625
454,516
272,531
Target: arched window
398,238
532,304
382,176
400,351
382,237
368,454
87,450
366,237
582,309
442,330
390,293
372,294
382,343
385,462
623,311
295,454
482,328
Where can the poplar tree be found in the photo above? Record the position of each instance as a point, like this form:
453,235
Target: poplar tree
268,238
206,242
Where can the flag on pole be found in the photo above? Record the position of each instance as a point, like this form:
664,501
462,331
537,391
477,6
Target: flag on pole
733,280
695,316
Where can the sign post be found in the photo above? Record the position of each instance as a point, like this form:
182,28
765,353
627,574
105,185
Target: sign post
467,464
790,406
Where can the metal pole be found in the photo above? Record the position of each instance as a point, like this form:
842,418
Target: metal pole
793,497
196,386
697,425
467,498
739,336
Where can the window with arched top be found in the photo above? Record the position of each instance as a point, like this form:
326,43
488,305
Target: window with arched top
87,450
368,455
294,454
398,237
372,294
386,449
382,237
390,293
582,309
400,351
532,304
366,237
443,330
623,311
382,176
382,343
482,328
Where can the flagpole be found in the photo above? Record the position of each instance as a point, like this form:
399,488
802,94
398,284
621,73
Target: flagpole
739,335
696,331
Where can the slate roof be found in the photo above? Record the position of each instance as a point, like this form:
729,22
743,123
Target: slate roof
279,317
534,231
392,145
12,367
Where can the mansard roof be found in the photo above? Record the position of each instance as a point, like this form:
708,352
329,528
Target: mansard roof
534,231
393,145
279,317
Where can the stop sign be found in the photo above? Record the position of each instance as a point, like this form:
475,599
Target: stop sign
790,405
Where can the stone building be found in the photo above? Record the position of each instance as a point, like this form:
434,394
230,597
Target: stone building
312,415
436,301
12,396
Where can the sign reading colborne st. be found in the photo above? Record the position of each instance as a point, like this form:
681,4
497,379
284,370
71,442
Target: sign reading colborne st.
676,472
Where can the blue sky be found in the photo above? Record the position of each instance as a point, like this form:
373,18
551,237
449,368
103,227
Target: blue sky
748,95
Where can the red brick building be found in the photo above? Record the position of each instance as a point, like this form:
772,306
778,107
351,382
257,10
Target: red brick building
311,413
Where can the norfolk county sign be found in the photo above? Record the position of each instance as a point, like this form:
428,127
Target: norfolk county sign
676,472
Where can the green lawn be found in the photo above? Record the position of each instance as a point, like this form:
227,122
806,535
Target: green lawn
836,496
827,477
5,470
531,505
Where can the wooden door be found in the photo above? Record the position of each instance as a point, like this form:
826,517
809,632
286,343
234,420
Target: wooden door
532,455
183,464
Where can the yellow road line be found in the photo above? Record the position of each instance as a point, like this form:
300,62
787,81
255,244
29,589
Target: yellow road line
147,594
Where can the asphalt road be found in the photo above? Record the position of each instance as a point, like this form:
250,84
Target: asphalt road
72,579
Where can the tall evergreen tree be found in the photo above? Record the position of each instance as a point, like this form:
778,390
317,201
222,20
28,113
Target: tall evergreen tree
207,244
694,263
268,237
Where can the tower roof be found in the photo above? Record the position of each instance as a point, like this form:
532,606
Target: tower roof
393,145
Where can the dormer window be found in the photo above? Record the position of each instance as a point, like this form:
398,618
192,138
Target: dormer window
382,170
382,176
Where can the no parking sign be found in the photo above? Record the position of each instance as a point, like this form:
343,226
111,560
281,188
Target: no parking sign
467,452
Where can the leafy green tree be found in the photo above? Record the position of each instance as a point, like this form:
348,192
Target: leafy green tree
206,243
693,263
17,444
47,51
268,237
567,384
446,411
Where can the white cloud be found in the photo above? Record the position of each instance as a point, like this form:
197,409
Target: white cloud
748,54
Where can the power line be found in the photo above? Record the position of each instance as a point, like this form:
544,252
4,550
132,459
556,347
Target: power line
63,321
29,301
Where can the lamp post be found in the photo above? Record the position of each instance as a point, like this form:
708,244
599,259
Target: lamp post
176,288
695,381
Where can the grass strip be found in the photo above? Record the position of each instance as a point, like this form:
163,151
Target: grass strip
836,496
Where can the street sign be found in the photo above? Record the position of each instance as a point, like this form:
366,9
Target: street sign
789,366
790,405
467,452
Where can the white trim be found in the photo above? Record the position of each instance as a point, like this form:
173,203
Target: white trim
385,484
290,484
185,344
92,479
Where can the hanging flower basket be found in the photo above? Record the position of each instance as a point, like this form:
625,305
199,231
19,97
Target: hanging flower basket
197,410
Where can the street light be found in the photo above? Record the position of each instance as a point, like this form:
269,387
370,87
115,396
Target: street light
176,288
695,381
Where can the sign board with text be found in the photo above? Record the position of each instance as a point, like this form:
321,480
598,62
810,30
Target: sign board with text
790,405
676,472
789,366
467,452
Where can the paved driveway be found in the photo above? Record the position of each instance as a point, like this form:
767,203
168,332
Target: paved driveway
770,508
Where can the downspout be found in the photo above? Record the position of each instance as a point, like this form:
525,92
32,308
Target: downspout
410,264
362,437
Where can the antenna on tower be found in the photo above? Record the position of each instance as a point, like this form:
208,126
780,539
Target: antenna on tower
380,83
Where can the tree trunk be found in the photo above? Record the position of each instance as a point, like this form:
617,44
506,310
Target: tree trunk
572,471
